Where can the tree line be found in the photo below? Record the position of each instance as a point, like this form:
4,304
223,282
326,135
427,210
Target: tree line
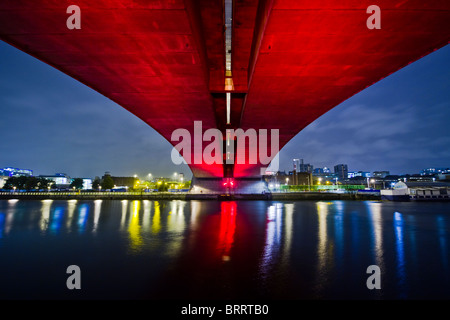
30,183
36,183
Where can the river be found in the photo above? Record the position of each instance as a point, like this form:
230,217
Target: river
224,250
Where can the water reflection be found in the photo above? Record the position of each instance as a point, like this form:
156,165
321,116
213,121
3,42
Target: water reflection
355,236
411,248
134,228
97,211
156,224
196,210
124,214
227,229
319,248
273,238
10,214
175,227
82,217
70,211
339,230
2,224
56,220
45,214
399,244
374,209
288,231
324,249
442,234
175,219
146,216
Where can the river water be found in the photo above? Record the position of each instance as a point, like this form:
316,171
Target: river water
224,250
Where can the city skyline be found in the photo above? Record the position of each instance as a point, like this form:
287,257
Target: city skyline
52,123
313,170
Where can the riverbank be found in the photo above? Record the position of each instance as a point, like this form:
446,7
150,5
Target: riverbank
184,196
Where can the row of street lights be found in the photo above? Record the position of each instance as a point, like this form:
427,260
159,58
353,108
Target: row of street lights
372,181
175,175
318,183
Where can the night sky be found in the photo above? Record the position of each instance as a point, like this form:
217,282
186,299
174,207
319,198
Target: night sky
52,123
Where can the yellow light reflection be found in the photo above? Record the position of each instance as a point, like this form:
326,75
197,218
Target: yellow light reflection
195,213
134,229
124,214
146,216
97,209
375,215
325,249
196,207
175,219
70,211
289,209
175,225
156,224
45,214
10,214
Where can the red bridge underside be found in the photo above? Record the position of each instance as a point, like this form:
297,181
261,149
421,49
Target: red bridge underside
164,60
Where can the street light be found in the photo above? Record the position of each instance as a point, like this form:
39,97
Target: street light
373,181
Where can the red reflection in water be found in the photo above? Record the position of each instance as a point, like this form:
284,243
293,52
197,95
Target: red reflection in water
227,228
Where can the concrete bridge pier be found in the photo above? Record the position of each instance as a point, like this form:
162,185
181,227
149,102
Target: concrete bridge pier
250,185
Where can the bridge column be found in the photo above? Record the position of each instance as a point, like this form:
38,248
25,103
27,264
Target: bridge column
254,185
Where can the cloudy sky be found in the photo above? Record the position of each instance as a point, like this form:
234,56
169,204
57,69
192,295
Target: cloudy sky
51,123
